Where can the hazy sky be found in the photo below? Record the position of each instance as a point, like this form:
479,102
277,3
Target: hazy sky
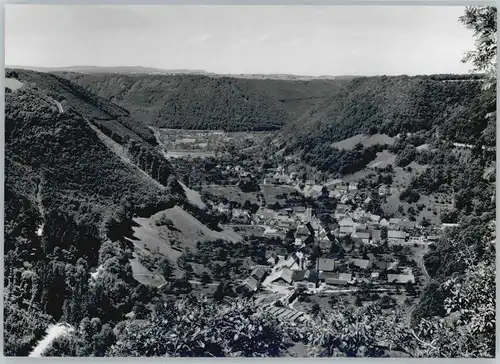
314,40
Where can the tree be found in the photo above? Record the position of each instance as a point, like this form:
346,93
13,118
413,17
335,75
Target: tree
166,268
205,278
219,293
483,21
315,309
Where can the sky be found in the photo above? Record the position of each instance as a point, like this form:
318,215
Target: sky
300,40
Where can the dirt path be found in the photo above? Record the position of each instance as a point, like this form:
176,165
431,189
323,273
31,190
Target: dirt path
53,332
59,106
41,209
421,264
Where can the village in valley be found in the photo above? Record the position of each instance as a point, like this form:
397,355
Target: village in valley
317,241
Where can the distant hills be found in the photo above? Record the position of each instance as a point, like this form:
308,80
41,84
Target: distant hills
152,70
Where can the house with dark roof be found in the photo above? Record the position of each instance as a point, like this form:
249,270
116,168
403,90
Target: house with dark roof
251,284
258,274
305,278
326,265
281,253
282,277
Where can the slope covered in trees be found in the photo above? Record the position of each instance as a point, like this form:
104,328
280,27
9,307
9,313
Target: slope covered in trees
65,192
202,102
392,105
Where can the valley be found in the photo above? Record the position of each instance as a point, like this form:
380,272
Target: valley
302,206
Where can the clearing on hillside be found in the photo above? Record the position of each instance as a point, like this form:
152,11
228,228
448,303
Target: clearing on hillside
169,232
383,159
193,196
365,140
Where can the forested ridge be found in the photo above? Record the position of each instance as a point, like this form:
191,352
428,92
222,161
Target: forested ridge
65,194
202,102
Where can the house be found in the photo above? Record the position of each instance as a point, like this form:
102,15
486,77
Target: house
373,218
395,223
433,238
448,226
253,281
325,243
361,263
353,186
281,253
222,208
376,235
393,266
299,209
401,278
307,278
396,236
326,265
382,190
384,223
347,221
345,199
334,182
282,277
298,242
270,181
240,214
362,234
336,279
302,232
265,268
313,191
358,213
258,273
341,188
334,194
346,230
341,211
407,224
266,214
367,200
380,265
295,262
417,239
271,257
251,284
269,231
375,275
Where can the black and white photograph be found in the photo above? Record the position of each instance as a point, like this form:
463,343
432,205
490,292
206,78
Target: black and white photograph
250,181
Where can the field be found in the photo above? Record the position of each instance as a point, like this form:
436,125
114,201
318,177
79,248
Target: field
382,160
183,231
365,140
